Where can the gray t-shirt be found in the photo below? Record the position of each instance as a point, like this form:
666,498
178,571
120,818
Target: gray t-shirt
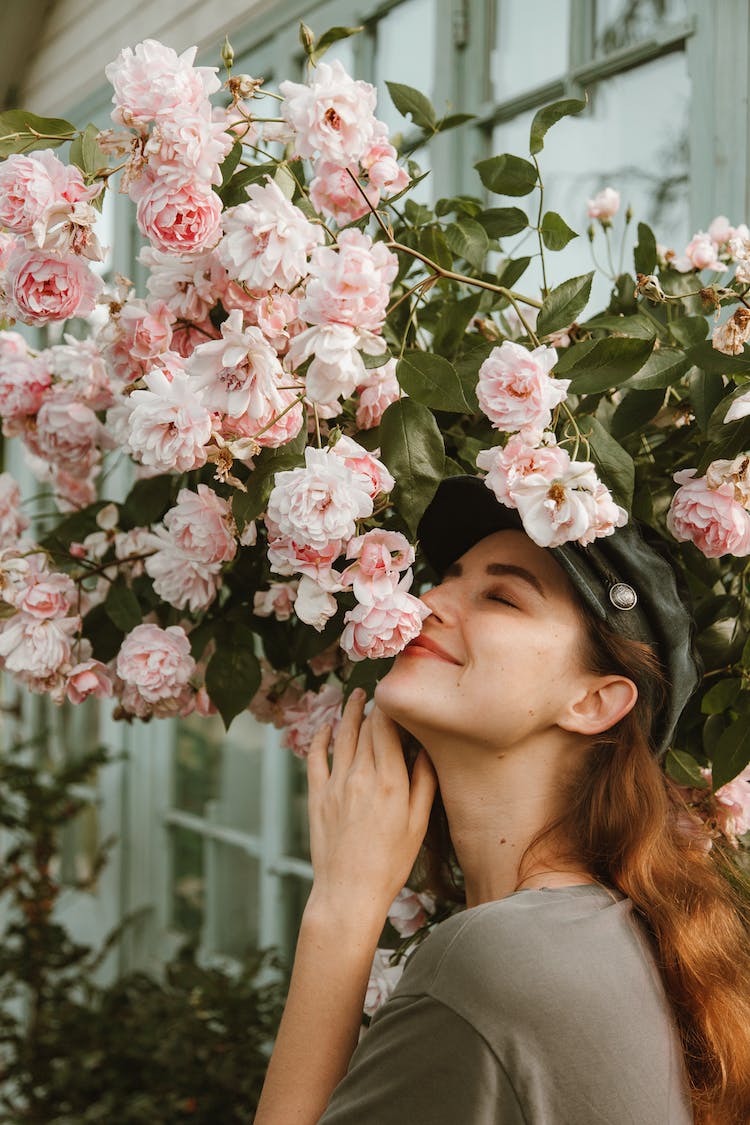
543,1008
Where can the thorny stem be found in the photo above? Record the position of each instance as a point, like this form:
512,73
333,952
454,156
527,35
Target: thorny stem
539,225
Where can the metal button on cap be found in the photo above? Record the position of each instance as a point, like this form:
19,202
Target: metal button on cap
622,596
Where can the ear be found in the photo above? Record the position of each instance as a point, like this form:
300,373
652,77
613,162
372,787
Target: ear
607,700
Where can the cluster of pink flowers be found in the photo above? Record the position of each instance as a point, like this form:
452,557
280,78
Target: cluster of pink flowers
51,400
558,499
334,124
180,141
713,511
715,249
45,263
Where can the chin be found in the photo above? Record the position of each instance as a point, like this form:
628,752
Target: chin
404,700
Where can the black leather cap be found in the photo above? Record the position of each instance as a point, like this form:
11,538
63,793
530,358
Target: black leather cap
620,578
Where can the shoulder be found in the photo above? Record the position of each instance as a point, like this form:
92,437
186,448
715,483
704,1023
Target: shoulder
534,952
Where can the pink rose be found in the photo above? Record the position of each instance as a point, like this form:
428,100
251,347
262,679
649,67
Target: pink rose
350,283
314,604
44,286
733,806
277,601
375,630
80,365
156,662
311,712
238,373
12,521
153,81
179,217
383,979
24,378
381,556
569,507
712,518
604,205
34,649
147,329
505,465
68,434
731,337
409,910
89,678
47,596
287,557
701,253
280,423
515,390
180,579
267,240
372,473
382,167
202,526
189,143
319,503
337,366
333,116
334,193
168,424
740,408
188,286
376,392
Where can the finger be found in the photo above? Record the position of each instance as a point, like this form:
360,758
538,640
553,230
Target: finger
317,758
424,783
345,742
387,749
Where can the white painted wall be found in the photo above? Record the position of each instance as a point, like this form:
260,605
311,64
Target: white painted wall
80,37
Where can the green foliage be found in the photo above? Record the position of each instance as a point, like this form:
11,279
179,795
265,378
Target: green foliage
556,232
412,448
411,103
564,303
233,672
432,380
548,116
22,131
507,175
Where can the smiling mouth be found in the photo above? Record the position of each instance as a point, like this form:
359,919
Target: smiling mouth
424,646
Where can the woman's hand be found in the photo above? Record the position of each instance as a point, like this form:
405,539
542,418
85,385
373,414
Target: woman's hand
367,819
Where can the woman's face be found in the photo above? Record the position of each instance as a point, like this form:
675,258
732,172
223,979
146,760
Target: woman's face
498,658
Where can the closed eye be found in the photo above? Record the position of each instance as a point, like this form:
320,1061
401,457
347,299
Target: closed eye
502,600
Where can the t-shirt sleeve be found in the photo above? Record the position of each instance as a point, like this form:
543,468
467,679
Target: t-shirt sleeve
422,1063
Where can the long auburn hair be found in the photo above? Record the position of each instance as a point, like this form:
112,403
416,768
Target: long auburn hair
621,822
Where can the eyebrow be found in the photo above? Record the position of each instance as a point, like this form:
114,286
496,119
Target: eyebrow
502,569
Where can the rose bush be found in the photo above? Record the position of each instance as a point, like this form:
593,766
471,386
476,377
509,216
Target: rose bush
311,353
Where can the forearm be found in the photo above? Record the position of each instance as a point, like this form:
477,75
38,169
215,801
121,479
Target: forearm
320,1025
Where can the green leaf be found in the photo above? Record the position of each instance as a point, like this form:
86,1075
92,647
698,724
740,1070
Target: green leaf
662,368
511,270
734,439
367,674
328,38
467,367
706,392
684,769
717,427
564,303
636,409
433,245
720,697
644,254
372,362
431,380
451,327
507,174
123,607
637,325
732,753
233,673
615,465
147,501
86,153
556,234
501,222
105,637
609,363
230,162
548,116
714,362
689,330
234,191
412,448
452,120
407,101
468,239
19,129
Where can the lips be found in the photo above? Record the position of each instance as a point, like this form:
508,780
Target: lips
427,644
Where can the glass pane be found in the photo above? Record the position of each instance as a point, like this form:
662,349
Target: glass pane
221,771
626,139
621,23
232,892
188,882
524,58
297,841
405,52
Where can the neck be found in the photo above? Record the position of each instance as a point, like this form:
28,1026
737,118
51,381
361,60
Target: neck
496,800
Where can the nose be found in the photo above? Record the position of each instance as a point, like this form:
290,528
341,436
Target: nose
439,601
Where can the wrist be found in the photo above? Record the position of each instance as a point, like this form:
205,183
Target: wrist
354,916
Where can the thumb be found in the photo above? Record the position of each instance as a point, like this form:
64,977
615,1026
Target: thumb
424,783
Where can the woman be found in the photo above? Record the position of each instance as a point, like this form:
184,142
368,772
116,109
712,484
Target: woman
600,973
